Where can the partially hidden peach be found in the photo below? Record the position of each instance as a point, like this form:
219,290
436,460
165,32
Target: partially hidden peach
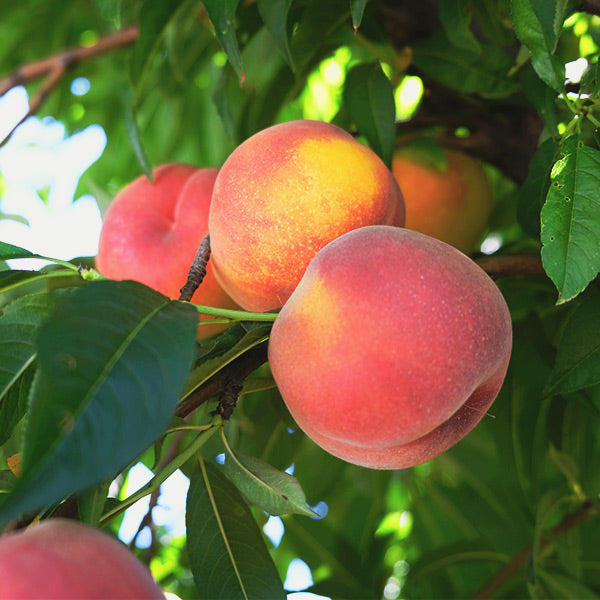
282,195
392,347
66,560
451,202
152,231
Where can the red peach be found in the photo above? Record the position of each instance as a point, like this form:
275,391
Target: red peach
63,560
152,231
392,347
282,195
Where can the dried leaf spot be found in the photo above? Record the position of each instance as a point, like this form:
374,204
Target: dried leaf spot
68,360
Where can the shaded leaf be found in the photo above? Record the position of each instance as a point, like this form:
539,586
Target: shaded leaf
222,15
274,14
455,16
357,9
577,362
570,231
136,143
153,18
538,24
564,587
369,98
275,491
227,551
113,359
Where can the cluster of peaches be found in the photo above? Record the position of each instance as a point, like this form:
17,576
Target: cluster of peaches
389,344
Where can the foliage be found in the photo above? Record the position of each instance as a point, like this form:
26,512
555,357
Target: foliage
96,375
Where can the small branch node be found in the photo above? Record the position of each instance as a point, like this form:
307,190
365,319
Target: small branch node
197,271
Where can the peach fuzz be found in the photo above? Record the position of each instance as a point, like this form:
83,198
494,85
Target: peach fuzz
452,204
152,231
66,560
392,347
282,195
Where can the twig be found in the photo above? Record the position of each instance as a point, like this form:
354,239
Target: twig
511,265
55,67
587,510
197,271
237,370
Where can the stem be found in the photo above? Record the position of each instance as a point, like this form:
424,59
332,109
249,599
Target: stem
162,476
511,265
585,512
235,315
197,270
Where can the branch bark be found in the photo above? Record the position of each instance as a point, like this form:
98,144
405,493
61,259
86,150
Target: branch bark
55,67
587,510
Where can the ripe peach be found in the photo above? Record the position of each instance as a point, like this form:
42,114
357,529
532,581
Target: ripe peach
392,347
452,203
282,195
62,559
151,233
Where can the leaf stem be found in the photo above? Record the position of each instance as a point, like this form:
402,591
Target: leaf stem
236,315
162,476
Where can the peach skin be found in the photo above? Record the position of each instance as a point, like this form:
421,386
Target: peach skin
392,347
282,195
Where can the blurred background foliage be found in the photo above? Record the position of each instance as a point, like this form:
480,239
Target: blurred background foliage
512,510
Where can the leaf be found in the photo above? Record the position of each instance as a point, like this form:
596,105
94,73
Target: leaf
227,551
8,251
209,367
14,404
455,17
577,362
534,190
538,24
275,491
137,145
570,217
369,98
484,72
113,359
357,9
222,15
274,14
565,587
153,19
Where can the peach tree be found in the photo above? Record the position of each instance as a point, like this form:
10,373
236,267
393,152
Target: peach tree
98,375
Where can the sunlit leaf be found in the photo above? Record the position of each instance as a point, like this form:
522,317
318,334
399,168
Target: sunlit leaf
227,551
538,24
8,251
369,97
112,361
570,231
275,491
274,14
222,15
577,362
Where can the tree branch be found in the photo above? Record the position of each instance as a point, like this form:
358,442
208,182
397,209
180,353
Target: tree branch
511,265
587,510
55,67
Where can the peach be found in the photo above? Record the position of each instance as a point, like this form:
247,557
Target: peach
452,203
282,195
152,231
62,559
392,347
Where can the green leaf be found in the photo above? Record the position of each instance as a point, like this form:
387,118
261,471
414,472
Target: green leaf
7,480
136,143
227,551
455,16
484,72
357,9
8,251
153,19
209,367
9,280
369,97
577,362
274,14
14,404
275,491
565,587
590,82
570,217
538,24
222,15
112,361
534,190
